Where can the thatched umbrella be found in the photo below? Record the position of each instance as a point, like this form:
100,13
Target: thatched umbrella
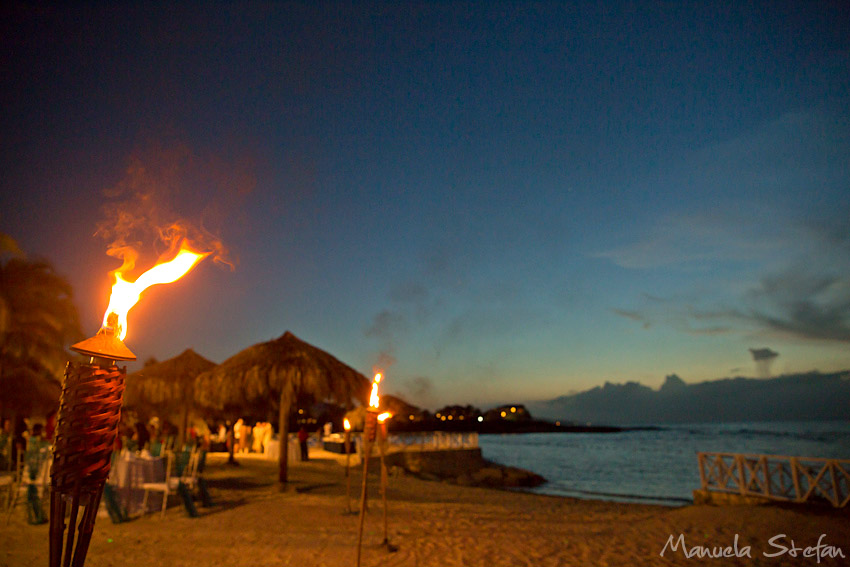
281,369
169,386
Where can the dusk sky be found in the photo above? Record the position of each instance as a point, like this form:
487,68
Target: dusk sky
492,201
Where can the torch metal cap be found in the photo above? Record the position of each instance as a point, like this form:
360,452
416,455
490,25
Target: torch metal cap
104,345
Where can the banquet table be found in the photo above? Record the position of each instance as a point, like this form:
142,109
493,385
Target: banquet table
129,472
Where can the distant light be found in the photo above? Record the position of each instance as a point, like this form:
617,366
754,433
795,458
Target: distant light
438,414
411,417
513,410
558,424
300,411
461,417
504,414
451,417
480,418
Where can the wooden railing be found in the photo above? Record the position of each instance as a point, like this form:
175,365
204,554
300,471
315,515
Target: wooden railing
433,441
787,479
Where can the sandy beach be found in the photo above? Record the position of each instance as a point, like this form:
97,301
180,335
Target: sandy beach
254,524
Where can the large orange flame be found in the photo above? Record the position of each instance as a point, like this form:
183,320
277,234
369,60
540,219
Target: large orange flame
384,416
126,294
346,424
374,399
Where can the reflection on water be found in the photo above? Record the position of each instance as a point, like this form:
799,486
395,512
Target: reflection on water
655,464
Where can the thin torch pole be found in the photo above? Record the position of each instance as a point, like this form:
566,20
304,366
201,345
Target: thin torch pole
348,471
384,478
368,437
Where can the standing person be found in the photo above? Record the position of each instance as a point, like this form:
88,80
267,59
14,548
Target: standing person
302,441
6,445
142,435
237,434
19,438
230,440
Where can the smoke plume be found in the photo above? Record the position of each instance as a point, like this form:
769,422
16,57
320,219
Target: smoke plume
763,358
170,194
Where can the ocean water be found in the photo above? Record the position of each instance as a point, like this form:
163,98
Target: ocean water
658,464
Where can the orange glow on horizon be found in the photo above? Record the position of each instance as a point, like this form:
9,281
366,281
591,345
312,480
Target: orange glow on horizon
126,294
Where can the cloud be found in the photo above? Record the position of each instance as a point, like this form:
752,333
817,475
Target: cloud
764,359
802,305
763,353
776,265
700,238
387,324
803,293
634,316
739,188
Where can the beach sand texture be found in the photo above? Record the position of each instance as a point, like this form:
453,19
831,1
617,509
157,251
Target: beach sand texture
254,524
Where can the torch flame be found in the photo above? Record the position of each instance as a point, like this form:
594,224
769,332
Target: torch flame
374,399
346,424
126,294
384,416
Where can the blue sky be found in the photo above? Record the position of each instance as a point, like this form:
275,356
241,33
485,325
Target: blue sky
492,202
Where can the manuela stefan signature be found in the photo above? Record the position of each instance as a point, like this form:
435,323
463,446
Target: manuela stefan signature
779,545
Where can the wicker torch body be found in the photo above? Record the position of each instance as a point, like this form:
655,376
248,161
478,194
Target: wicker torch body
87,426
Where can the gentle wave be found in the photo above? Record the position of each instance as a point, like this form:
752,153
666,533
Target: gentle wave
656,463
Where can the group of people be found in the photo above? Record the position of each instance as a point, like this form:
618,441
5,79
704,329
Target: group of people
247,439
27,437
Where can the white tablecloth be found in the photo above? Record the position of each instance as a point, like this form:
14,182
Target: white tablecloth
271,449
128,473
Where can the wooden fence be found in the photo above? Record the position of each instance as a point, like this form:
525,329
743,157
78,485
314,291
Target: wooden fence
787,479
433,441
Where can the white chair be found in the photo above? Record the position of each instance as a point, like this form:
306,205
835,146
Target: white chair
23,478
8,484
189,477
165,486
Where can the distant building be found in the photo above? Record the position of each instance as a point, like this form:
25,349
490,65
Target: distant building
509,412
457,414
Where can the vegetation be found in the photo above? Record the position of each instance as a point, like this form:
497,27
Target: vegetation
37,319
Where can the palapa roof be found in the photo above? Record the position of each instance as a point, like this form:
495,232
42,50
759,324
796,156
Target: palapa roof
256,376
169,383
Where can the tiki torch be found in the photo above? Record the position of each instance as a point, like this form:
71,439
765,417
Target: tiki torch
89,413
347,426
370,430
382,419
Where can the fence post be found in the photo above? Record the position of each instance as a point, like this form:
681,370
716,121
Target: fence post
795,477
739,459
766,473
836,496
702,480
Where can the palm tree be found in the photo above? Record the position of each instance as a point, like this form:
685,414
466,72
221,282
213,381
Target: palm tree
284,368
37,319
169,386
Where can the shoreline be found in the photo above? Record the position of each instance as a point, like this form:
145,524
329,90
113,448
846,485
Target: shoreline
253,523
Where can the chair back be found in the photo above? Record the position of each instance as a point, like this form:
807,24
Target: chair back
169,464
190,470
